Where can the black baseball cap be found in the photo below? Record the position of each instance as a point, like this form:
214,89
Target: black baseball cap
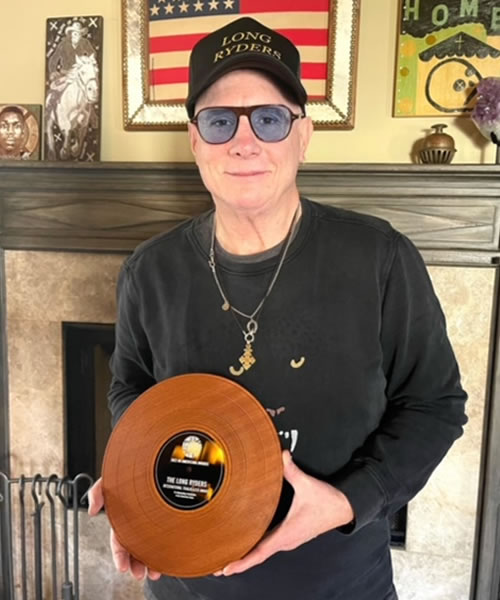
243,44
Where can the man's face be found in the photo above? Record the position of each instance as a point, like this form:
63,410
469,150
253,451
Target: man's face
11,132
76,36
246,174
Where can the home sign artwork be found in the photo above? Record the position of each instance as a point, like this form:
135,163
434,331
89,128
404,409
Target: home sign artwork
445,47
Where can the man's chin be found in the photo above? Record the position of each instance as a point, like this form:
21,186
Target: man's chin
245,199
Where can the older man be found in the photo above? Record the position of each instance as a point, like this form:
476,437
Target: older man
73,44
328,317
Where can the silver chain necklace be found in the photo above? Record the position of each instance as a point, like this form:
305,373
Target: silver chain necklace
247,359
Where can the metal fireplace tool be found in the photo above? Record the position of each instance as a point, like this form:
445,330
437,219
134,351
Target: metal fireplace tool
53,504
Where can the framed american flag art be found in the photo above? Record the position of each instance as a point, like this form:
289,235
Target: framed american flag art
157,37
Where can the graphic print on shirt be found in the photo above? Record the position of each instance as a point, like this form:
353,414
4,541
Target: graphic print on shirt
288,437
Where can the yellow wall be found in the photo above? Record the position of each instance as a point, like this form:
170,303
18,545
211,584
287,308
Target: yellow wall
377,137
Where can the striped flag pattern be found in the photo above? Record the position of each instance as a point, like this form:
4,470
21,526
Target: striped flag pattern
176,25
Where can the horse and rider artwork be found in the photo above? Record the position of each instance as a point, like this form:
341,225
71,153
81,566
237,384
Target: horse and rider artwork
73,89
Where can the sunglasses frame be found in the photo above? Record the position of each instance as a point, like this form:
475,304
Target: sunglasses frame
247,111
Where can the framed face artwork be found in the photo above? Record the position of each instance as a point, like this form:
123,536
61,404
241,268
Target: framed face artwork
20,131
158,35
444,50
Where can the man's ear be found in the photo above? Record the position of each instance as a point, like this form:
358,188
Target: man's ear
193,137
306,131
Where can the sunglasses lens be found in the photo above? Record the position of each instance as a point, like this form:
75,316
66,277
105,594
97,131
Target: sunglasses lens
217,125
271,123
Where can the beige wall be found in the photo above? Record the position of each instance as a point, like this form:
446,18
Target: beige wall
377,137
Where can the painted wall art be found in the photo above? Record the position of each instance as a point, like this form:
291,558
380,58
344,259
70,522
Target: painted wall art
20,131
73,79
445,48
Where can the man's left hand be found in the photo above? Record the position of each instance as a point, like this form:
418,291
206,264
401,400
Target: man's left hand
316,507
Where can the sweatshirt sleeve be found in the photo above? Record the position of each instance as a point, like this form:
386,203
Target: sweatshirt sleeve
131,362
425,401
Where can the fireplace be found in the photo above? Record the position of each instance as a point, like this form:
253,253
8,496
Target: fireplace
65,230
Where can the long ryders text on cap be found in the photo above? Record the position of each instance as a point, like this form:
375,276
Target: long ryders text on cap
246,41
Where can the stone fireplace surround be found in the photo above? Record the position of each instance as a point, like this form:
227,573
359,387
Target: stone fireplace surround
90,216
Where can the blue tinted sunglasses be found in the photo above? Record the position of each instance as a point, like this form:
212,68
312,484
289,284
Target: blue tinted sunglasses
269,122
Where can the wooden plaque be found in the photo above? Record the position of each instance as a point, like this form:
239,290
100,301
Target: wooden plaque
192,475
20,131
73,88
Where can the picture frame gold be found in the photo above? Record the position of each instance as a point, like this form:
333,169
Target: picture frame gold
334,110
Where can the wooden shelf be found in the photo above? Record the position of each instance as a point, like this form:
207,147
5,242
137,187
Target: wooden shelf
113,206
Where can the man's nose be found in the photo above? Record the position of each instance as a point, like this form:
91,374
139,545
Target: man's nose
245,141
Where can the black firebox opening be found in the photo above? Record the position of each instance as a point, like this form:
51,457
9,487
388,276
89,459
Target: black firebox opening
87,350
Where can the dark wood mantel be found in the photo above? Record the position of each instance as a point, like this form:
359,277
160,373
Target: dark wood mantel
113,206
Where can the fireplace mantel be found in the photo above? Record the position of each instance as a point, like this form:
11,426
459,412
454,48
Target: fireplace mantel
451,212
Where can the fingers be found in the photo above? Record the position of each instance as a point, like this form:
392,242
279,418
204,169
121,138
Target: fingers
264,549
153,575
96,498
121,558
256,557
291,471
124,562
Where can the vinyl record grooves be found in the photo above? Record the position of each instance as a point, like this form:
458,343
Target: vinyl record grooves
192,475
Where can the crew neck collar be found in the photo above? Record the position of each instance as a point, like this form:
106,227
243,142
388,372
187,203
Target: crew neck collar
201,234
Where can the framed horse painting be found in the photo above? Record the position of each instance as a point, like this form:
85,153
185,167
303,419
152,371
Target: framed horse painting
73,89
158,36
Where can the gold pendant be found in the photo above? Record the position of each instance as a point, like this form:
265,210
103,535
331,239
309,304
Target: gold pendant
226,306
247,359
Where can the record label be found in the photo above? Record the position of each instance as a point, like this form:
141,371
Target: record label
189,470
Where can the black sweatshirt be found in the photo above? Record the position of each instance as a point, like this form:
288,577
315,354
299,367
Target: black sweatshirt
373,408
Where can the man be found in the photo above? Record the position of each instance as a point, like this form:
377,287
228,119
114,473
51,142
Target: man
64,56
13,133
328,317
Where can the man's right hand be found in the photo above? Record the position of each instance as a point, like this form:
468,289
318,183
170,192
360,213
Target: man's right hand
122,559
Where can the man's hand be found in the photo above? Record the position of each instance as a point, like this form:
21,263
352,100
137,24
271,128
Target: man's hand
122,559
316,507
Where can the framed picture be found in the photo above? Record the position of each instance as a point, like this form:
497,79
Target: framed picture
73,78
444,50
157,37
20,131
